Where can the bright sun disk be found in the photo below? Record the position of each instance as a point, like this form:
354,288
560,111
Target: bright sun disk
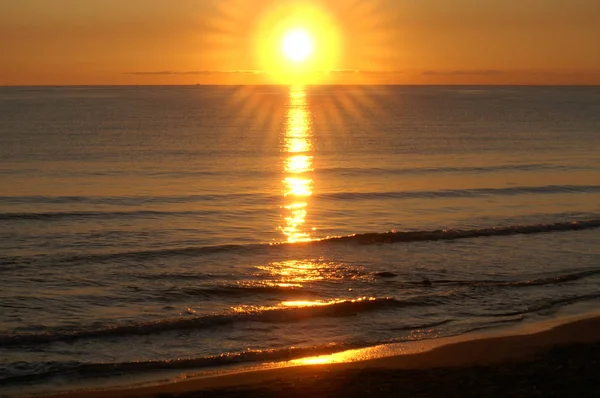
297,45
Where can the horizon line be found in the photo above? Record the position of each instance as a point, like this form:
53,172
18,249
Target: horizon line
310,85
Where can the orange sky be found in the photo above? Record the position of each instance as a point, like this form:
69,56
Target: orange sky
56,42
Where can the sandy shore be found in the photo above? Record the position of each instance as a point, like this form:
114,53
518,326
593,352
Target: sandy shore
562,361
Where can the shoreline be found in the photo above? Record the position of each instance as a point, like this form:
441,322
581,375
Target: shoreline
496,349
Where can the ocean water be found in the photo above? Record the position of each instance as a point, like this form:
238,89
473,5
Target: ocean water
186,228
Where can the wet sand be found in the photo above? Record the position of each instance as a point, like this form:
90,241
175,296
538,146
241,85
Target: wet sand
562,361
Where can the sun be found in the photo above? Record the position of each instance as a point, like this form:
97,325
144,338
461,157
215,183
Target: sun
297,45
297,42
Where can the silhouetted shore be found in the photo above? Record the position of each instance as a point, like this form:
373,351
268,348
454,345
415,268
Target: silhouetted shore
563,361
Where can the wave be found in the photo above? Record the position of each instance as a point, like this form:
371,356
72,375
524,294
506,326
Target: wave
22,372
570,277
453,234
268,198
360,239
179,276
553,280
86,215
253,289
549,305
421,326
237,291
456,169
297,312
464,193
494,324
250,290
268,315
125,200
324,171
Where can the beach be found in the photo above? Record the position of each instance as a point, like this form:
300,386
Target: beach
561,361
159,234
299,198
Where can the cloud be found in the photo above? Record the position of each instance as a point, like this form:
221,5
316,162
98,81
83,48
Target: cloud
381,72
509,73
364,72
487,72
194,72
342,71
258,72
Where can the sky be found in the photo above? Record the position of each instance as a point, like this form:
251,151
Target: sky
97,42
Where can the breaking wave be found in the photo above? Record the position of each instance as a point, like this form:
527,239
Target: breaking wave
360,239
268,315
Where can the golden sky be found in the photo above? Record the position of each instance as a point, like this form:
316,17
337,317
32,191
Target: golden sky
56,42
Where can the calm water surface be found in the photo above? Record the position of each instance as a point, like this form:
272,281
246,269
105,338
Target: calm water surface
151,228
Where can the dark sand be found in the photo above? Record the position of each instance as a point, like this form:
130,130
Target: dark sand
563,361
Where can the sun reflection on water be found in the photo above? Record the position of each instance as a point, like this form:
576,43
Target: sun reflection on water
298,304
356,355
298,182
301,273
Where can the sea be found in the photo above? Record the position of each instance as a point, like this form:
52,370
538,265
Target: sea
179,229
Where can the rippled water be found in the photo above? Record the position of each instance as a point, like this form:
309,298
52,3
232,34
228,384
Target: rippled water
149,228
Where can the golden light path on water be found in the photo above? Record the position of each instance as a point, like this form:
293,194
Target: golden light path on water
296,274
297,164
298,182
